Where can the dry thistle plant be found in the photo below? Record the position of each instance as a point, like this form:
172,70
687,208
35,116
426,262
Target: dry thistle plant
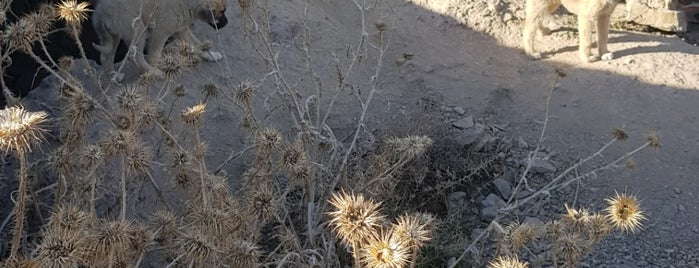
358,223
19,131
574,235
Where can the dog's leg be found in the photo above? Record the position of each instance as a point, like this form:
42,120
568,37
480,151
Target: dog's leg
155,51
603,37
536,11
585,39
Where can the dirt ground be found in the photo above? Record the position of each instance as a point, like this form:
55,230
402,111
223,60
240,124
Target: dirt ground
653,84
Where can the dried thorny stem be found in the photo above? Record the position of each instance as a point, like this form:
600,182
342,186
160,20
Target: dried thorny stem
560,180
381,47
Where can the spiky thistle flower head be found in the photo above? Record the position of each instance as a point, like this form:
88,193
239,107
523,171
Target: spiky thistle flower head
61,248
20,129
620,134
355,219
267,141
599,227
110,236
576,219
261,202
653,140
409,147
172,65
194,116
42,19
141,238
139,158
507,262
118,142
20,35
73,12
218,221
624,212
188,53
179,91
131,97
244,254
245,92
79,108
166,223
413,229
571,247
210,90
69,219
515,236
196,246
385,250
91,155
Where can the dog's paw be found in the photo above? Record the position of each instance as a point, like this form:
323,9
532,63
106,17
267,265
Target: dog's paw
535,56
608,56
588,58
211,56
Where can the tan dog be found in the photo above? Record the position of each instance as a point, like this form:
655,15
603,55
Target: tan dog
153,21
588,12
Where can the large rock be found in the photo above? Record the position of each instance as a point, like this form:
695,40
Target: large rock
661,17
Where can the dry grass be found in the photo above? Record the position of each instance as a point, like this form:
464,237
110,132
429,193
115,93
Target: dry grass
306,199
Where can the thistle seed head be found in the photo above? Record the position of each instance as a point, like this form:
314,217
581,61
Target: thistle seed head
91,155
69,219
179,91
73,12
245,92
599,227
507,262
166,223
65,63
620,134
194,116
196,246
267,140
20,129
139,158
110,236
570,247
409,147
219,221
171,65
210,90
576,219
261,202
118,142
244,254
654,140
131,98
21,35
412,230
385,251
61,248
624,212
354,218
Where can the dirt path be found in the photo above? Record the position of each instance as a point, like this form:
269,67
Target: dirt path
653,84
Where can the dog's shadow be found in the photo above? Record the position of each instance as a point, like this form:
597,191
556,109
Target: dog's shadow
661,43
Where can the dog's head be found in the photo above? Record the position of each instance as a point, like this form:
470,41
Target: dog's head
213,12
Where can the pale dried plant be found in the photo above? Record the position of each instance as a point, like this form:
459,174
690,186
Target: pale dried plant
624,212
385,250
20,130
